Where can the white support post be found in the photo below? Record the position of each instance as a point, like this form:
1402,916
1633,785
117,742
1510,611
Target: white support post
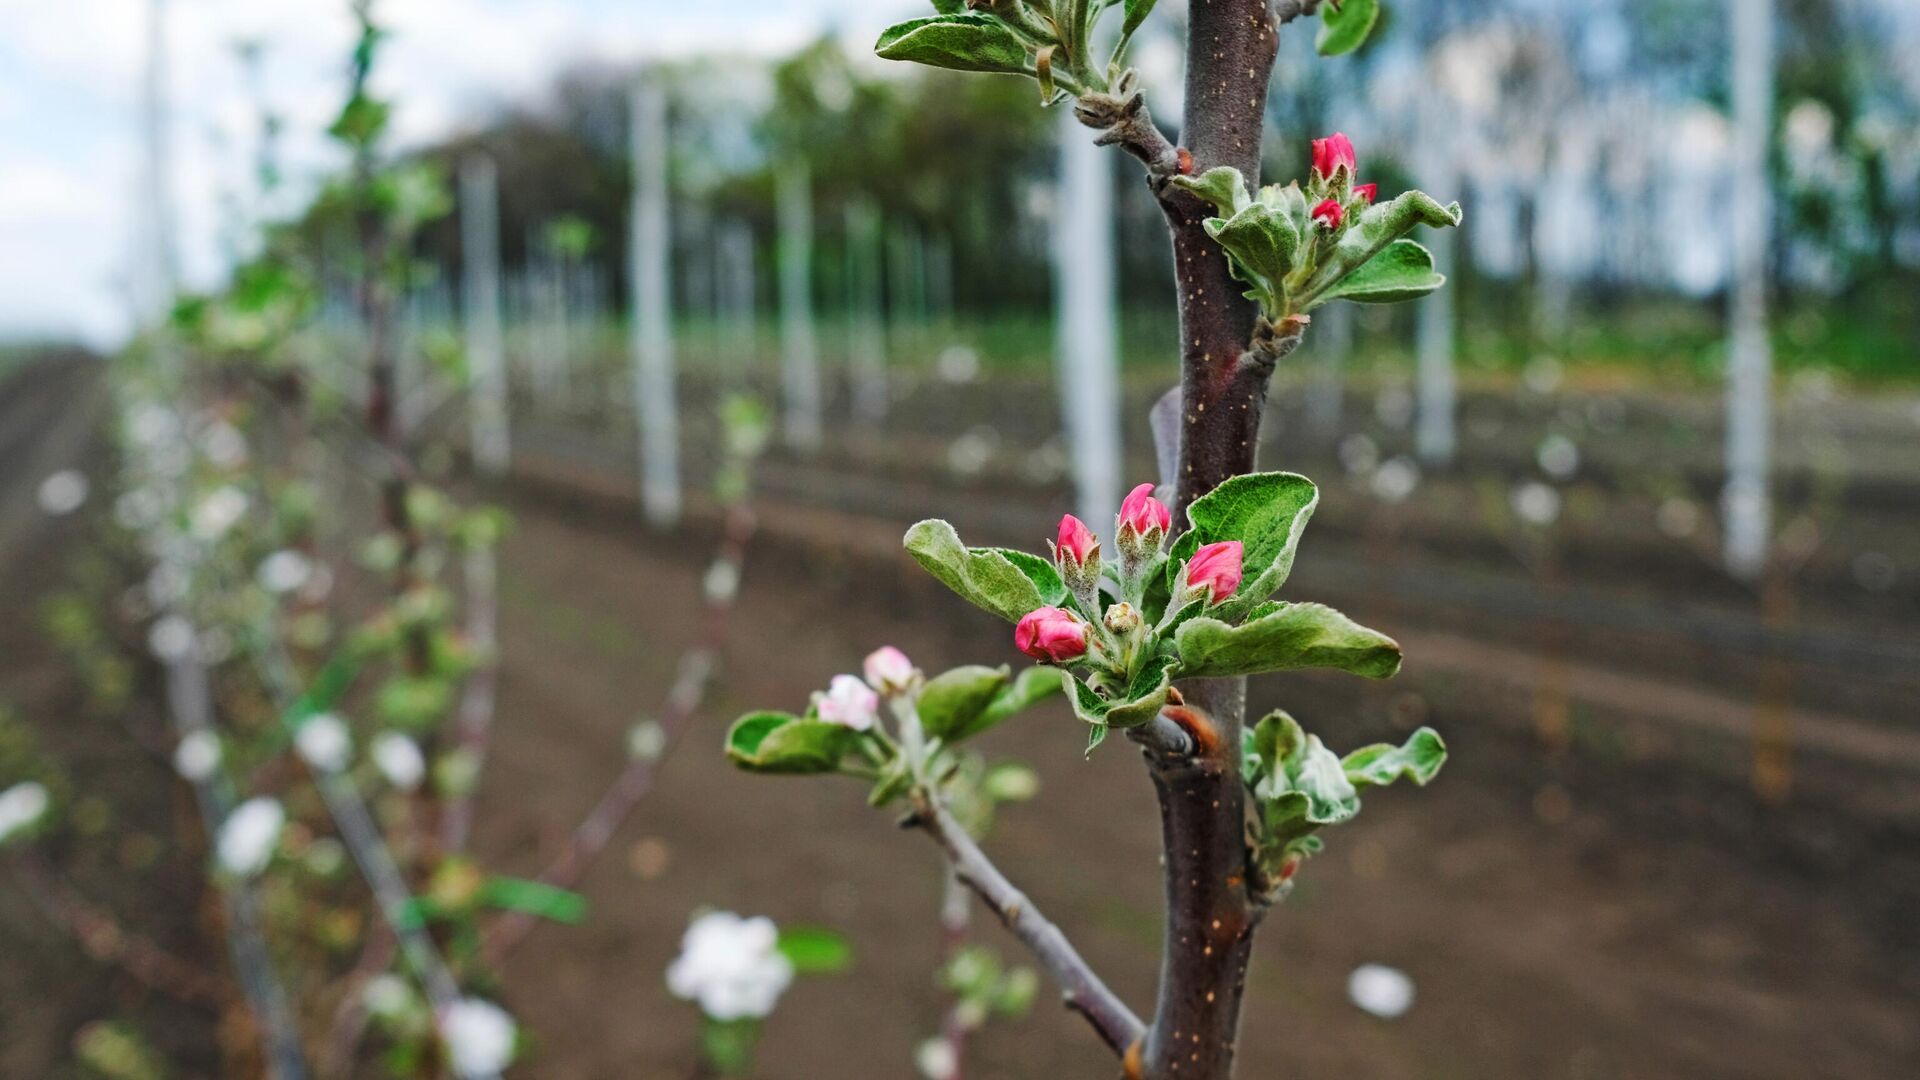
1436,394
799,351
158,257
1085,335
1332,343
735,284
651,327
866,311
480,311
1746,501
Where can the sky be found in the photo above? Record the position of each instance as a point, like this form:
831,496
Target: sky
71,77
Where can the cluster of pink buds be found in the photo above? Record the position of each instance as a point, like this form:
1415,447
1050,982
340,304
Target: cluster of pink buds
1058,635
853,701
1334,169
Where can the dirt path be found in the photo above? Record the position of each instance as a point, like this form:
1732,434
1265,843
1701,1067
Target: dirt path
1604,914
1550,934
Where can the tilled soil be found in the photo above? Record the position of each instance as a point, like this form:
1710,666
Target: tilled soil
1598,913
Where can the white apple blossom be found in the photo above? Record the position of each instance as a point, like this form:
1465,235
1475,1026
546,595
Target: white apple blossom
171,638
479,1036
1383,991
284,571
399,760
936,1060
20,806
249,835
646,741
197,755
730,966
1536,503
849,703
224,445
889,671
722,582
219,511
324,742
63,492
387,995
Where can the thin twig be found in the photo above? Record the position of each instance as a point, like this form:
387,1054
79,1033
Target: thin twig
369,849
474,727
956,918
683,701
1081,988
106,939
190,703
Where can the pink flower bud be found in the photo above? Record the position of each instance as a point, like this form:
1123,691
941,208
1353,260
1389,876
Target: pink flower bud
1332,152
888,670
1215,568
1143,513
1328,213
1366,192
1051,634
1076,542
849,703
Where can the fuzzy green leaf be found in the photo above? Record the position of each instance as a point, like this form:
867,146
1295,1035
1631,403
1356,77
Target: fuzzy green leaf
953,702
1222,186
1045,578
1345,28
1142,702
1378,225
777,742
1033,685
962,42
983,576
534,898
1261,243
1291,637
1402,271
1136,13
815,950
1266,512
1418,759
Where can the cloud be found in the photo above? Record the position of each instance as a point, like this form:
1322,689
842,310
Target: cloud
72,89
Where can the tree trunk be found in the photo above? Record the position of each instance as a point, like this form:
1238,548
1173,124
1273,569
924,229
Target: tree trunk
1208,935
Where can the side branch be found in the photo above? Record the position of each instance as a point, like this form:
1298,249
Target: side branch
1116,1024
105,939
1123,120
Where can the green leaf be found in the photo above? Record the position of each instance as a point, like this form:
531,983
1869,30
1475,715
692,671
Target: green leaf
1136,13
1033,685
1266,512
815,950
1143,699
1010,781
985,577
1402,271
1418,759
1378,225
1222,186
953,702
777,742
1040,571
962,42
1345,28
534,898
1262,243
1293,636
728,1045
1096,734
1269,746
